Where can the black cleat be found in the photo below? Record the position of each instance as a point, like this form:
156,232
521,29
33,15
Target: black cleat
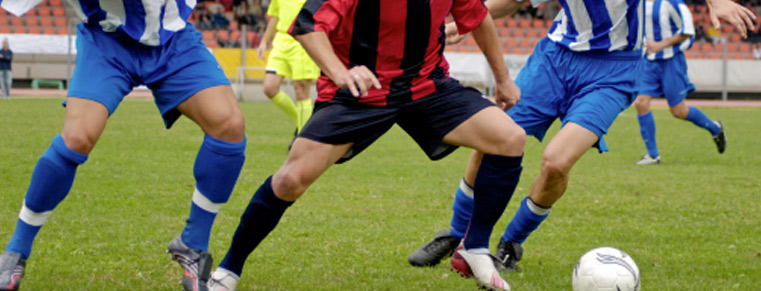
508,255
196,265
720,139
442,245
11,270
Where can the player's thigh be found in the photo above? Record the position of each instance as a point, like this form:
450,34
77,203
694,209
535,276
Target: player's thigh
271,83
216,111
597,110
642,104
676,83
567,147
83,124
489,131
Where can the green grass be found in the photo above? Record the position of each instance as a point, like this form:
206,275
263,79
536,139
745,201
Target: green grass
691,223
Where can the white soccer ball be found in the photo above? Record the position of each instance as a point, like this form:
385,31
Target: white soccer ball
604,269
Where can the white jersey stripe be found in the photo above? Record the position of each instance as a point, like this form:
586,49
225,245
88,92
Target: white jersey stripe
18,7
673,17
599,25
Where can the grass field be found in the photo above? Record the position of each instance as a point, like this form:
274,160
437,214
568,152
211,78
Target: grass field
691,223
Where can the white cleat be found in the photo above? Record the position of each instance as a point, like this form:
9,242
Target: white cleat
222,280
649,160
479,266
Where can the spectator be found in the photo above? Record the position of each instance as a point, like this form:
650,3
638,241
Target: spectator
6,56
756,51
204,19
249,13
218,18
700,34
714,35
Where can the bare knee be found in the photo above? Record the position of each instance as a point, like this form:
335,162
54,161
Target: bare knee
555,168
642,104
679,112
288,185
79,141
231,129
512,143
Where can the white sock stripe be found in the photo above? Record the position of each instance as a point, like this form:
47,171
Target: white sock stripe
536,209
33,218
466,189
201,201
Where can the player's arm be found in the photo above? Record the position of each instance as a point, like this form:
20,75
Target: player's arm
268,32
729,11
657,46
506,92
18,7
358,79
497,9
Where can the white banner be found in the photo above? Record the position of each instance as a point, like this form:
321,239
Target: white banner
40,43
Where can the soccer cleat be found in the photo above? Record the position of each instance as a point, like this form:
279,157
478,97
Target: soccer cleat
223,280
11,270
720,139
508,255
196,265
478,266
442,245
649,160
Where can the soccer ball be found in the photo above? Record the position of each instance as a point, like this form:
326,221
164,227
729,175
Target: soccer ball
604,269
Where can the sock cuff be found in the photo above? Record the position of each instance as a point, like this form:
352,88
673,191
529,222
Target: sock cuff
503,161
280,95
70,155
224,148
649,113
466,189
536,208
308,101
267,195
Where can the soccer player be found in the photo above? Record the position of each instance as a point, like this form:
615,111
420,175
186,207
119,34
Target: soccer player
383,65
668,32
121,45
584,72
287,59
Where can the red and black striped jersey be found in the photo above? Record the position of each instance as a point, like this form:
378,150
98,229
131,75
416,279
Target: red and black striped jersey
401,41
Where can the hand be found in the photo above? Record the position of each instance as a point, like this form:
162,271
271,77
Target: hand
506,94
453,36
358,79
654,46
260,50
729,11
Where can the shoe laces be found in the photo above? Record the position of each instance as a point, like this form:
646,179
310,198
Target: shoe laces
436,244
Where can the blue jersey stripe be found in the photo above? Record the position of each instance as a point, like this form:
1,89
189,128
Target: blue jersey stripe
636,8
601,24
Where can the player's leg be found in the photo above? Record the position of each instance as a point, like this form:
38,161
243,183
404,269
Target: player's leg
647,130
271,87
307,160
304,104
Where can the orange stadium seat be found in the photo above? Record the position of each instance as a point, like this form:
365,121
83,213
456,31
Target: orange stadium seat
5,29
735,37
706,47
470,41
19,29
59,21
4,19
35,30
714,55
537,23
17,21
532,33
477,50
511,22
449,49
55,3
524,43
235,35
63,30
739,56
535,42
43,11
223,35
31,21
48,30
207,35
719,47
732,47
548,23
46,21
518,32
3,12
32,12
744,47
503,31
525,23
462,49
212,44
59,11
511,43
543,32
500,23
690,54
517,51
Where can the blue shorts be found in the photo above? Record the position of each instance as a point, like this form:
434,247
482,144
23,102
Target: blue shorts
586,88
111,64
666,78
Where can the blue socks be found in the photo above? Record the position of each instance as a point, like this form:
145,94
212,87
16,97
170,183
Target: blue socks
525,221
261,216
51,181
698,118
216,170
647,129
462,210
494,186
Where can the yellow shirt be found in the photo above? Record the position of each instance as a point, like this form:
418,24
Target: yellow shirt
285,11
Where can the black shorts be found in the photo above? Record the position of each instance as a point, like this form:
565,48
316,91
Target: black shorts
427,120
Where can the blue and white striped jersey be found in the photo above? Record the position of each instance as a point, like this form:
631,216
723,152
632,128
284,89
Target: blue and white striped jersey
598,25
666,18
152,22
